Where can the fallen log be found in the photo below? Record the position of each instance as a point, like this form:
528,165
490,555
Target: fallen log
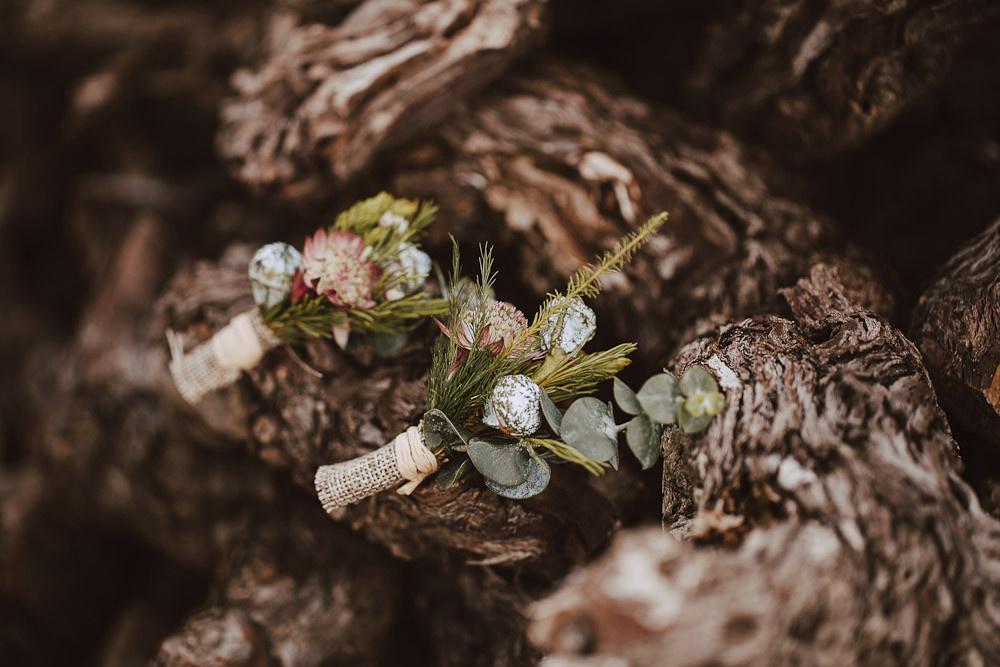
956,325
563,162
328,99
832,477
816,78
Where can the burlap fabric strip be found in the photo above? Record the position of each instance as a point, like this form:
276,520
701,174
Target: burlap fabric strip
405,459
218,362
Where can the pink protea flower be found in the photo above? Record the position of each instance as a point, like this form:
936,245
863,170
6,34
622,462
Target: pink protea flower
335,265
503,323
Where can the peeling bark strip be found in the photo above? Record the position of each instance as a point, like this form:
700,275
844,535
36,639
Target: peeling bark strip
570,162
957,327
298,422
861,546
331,98
815,77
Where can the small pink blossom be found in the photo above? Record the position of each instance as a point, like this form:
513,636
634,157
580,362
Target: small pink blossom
335,265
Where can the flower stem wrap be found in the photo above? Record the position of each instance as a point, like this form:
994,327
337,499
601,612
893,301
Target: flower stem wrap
237,347
405,459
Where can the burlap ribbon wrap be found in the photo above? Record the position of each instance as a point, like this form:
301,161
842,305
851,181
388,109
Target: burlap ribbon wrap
405,459
218,362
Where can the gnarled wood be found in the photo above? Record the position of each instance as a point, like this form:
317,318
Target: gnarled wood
813,77
956,325
568,162
330,98
834,471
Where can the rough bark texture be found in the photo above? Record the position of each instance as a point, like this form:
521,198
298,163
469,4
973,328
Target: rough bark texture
329,98
813,77
568,163
834,471
956,325
822,519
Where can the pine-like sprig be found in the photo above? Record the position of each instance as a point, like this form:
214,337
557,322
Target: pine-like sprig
585,282
579,375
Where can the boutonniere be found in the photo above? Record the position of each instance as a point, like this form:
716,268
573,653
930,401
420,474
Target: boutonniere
364,274
497,388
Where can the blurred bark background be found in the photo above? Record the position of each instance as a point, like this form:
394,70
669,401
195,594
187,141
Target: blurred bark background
832,170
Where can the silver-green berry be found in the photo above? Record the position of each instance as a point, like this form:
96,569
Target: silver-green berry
571,327
271,271
514,406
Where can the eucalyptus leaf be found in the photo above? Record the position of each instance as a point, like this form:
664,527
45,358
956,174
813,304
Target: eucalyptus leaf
553,416
643,438
388,344
705,403
440,431
452,471
504,464
697,380
658,398
589,427
692,424
626,398
539,474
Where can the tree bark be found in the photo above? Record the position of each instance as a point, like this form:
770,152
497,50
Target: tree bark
834,474
956,325
813,78
566,162
331,98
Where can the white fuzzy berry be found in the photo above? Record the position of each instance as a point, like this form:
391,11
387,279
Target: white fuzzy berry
570,327
415,265
394,221
514,406
271,271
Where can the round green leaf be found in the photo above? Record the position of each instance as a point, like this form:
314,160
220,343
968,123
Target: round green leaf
589,427
451,472
626,398
388,344
658,398
705,403
553,416
506,465
697,380
538,478
440,431
643,438
691,423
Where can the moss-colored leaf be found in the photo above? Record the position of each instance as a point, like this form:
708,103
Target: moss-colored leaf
553,416
691,423
452,471
589,428
539,474
643,437
697,380
388,344
439,431
504,464
626,398
658,398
